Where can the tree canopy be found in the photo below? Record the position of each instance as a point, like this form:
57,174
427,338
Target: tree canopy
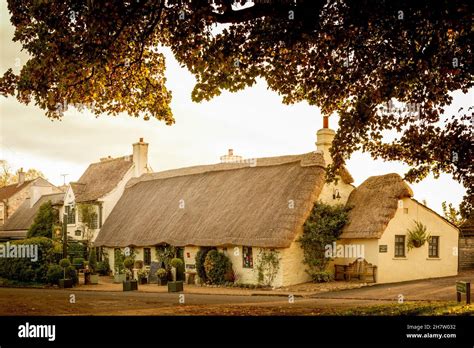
351,58
7,177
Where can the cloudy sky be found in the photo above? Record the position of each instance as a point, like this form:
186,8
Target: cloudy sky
253,122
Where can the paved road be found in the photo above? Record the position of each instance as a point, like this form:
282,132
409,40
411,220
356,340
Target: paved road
57,302
440,289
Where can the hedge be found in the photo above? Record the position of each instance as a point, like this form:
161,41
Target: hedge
26,270
218,267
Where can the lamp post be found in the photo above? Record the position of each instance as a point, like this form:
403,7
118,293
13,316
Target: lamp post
64,236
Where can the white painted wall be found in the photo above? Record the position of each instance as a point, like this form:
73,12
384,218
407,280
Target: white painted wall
417,264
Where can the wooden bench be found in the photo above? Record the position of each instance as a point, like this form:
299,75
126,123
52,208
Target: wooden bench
359,269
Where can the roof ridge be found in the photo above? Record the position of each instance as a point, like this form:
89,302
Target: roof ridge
16,184
112,159
313,158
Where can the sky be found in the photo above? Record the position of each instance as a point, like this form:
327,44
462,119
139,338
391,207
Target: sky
253,122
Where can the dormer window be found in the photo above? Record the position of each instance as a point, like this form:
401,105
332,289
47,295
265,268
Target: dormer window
70,214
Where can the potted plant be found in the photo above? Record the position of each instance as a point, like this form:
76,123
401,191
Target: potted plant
417,236
175,286
129,284
78,262
94,277
143,276
162,275
65,283
119,275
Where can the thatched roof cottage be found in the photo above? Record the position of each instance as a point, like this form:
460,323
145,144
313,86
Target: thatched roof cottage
241,208
100,187
383,210
244,207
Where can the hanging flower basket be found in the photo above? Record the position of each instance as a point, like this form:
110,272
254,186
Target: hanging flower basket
417,236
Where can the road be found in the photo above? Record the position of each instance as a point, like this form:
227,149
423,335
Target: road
58,302
22,301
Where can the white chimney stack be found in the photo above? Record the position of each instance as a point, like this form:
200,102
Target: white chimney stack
140,157
21,177
230,157
325,136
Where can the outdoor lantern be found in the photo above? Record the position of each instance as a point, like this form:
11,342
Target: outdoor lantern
57,232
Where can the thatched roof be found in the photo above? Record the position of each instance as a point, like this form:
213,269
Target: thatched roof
9,190
224,204
23,217
374,203
100,178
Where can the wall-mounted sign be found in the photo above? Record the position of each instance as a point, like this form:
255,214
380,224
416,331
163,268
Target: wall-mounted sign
382,248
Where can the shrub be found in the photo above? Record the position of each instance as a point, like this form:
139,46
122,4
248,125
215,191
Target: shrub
78,262
55,272
229,275
162,273
64,263
321,276
128,263
200,259
76,249
176,263
103,267
217,265
71,273
26,270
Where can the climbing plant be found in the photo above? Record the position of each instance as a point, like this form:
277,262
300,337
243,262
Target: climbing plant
268,264
323,227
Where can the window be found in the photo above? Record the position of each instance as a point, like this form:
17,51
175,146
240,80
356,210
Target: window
78,233
94,221
433,246
147,256
247,257
71,214
405,210
399,246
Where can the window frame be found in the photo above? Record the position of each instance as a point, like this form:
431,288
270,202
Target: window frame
397,246
145,256
247,257
70,214
430,247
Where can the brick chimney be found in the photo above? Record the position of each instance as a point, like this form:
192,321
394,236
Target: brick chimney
21,177
324,140
140,157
